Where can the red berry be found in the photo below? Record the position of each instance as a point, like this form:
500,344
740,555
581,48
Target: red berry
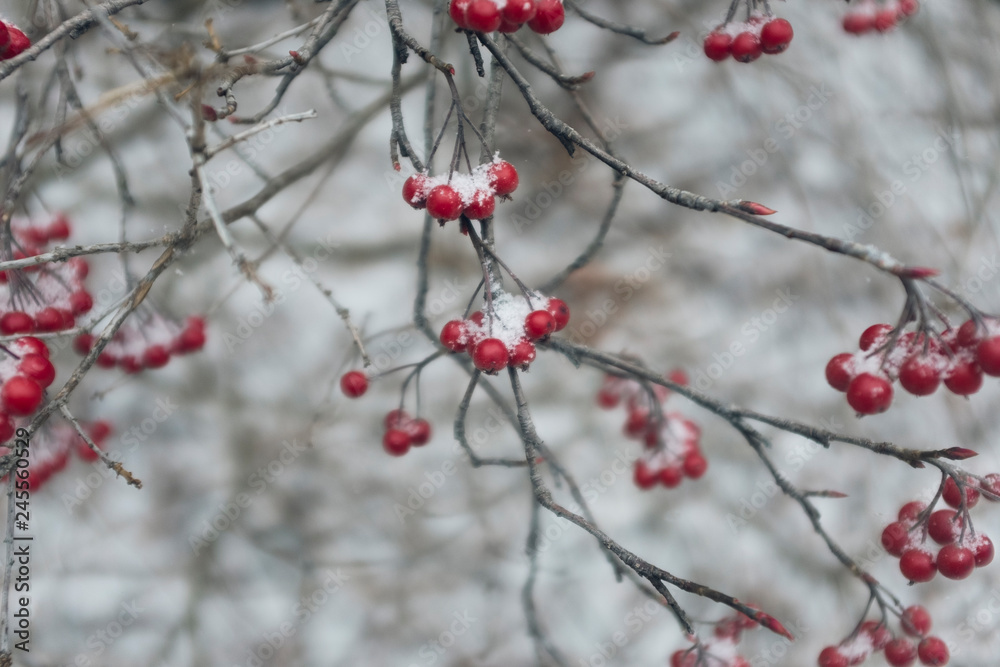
396,441
48,319
908,7
644,477
519,11
917,565
955,562
895,538
746,47
919,376
953,495
21,395
933,652
874,336
16,322
775,36
156,356
911,510
420,432
99,431
968,334
59,229
106,360
869,394
192,338
18,43
457,11
964,378
482,206
539,324
130,364
444,203
483,16
507,27
671,477
38,368
900,652
453,335
832,657
549,17
885,20
80,302
560,311
877,633
396,419
718,46
840,371
637,423
983,550
415,190
695,465
988,356
522,354
915,621
490,355
503,177
354,384
944,526
991,484
608,399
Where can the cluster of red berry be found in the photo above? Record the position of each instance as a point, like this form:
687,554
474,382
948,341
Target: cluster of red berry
901,651
26,372
958,357
673,449
48,297
506,335
868,16
12,41
721,648
542,16
472,195
403,431
746,41
962,550
51,447
146,340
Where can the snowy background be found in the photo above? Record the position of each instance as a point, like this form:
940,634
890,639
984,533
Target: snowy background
310,561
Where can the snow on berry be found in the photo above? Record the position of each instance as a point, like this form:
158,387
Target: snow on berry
13,42
869,16
447,197
148,339
747,40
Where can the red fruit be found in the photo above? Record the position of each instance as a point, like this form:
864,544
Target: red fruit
885,20
644,477
415,190
354,384
477,318
453,335
503,177
21,395
900,652
522,354
636,424
877,633
968,334
16,322
832,657
106,360
519,11
671,477
483,16
746,47
6,427
869,394
59,229
18,43
560,311
507,27
944,526
156,356
917,565
192,338
695,465
775,36
457,11
68,318
482,206
48,319
911,510
874,336
490,355
956,562
933,652
840,371
444,203
539,324
953,495
420,432
608,399
895,538
396,441
80,266
396,419
919,376
718,46
991,484
38,368
99,431
908,7
915,621
549,17
80,302
983,550
130,364
988,356
964,378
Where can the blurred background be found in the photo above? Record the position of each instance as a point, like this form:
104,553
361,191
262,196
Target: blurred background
273,529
